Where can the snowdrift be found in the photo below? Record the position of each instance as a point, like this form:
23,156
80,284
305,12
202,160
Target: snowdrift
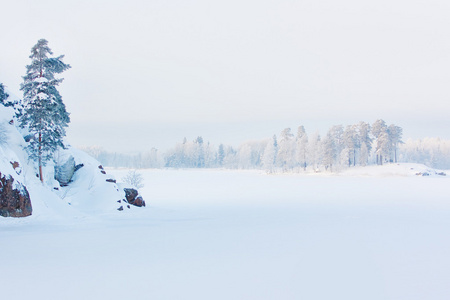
394,169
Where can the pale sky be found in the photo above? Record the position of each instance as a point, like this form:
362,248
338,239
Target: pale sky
147,73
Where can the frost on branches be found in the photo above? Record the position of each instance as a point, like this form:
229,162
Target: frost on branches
3,94
45,114
134,179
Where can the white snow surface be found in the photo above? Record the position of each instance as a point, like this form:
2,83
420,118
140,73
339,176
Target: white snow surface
369,233
377,232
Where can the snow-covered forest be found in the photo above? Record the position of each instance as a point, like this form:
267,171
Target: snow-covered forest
341,147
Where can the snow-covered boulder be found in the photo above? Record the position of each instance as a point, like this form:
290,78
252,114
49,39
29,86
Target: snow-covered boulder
64,171
133,197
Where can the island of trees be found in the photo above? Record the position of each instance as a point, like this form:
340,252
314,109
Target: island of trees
341,147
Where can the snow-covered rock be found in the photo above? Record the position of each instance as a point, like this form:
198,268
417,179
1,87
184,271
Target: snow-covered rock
132,196
89,189
75,184
14,198
64,171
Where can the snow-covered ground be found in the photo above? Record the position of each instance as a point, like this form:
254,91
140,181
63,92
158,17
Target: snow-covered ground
368,233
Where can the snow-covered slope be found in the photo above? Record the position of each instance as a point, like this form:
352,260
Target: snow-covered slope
91,190
399,169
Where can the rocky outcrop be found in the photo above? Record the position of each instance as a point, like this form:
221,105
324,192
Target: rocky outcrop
132,197
64,172
14,198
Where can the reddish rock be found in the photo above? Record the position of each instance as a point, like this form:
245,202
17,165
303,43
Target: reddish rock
139,201
14,164
130,194
14,202
133,197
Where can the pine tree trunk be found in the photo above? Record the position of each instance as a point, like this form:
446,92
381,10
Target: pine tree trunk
41,177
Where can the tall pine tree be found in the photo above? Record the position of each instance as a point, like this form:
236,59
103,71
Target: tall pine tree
45,114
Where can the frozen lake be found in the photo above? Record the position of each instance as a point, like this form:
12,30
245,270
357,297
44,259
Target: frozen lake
212,234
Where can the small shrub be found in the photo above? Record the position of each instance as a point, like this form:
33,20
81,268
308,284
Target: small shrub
134,179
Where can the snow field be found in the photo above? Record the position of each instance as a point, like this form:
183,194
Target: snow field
216,234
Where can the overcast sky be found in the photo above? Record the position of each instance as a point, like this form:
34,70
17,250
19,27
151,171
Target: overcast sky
147,73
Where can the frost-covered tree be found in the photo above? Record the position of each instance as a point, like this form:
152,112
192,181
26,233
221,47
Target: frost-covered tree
230,160
395,137
210,156
176,158
328,149
315,150
220,155
364,142
337,134
251,153
245,156
383,146
270,155
364,154
45,114
286,151
333,145
199,152
3,95
275,145
351,144
302,147
379,131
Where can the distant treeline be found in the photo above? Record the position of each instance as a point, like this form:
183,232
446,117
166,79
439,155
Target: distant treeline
342,147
